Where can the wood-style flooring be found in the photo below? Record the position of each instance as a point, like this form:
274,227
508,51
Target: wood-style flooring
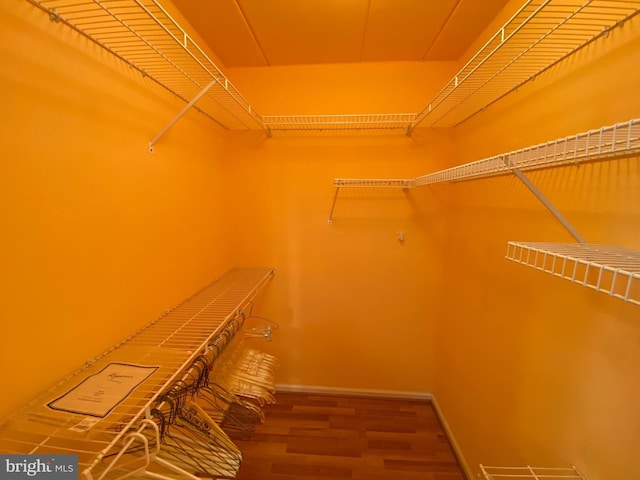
320,437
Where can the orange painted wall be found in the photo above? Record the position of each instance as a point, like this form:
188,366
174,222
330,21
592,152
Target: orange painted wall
98,236
101,236
357,307
532,369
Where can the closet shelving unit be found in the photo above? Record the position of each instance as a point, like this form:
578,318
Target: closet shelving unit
609,269
146,37
171,343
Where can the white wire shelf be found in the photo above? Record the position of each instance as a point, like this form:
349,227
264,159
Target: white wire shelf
614,141
144,35
621,139
383,121
611,270
530,473
170,342
538,36
374,183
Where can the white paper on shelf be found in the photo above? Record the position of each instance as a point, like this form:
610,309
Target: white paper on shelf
101,392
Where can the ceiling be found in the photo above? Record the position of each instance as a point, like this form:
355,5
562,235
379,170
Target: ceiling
244,33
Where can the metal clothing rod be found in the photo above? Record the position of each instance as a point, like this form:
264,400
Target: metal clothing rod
180,114
545,201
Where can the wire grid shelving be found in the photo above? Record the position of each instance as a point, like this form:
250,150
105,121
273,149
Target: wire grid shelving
608,269
614,141
170,342
145,36
530,473
382,121
538,36
374,183
621,139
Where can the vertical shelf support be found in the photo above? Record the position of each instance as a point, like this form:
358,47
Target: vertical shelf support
180,114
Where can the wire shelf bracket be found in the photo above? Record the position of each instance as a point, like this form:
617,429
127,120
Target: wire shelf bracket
548,205
184,110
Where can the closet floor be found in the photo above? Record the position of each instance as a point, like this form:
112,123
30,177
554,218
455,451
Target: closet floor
310,436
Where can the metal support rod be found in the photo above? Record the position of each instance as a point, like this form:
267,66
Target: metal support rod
333,205
545,201
180,114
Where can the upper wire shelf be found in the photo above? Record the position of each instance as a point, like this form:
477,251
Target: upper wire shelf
538,36
621,139
171,343
530,473
382,121
145,36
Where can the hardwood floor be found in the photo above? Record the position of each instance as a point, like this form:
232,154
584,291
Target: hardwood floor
313,437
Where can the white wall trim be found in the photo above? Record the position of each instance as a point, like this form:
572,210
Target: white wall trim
360,392
452,440
365,392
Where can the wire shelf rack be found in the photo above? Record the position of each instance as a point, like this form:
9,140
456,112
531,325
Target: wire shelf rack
382,121
170,342
145,36
538,36
530,473
608,269
374,183
621,139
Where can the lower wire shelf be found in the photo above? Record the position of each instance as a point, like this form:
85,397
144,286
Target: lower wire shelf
609,269
66,418
528,472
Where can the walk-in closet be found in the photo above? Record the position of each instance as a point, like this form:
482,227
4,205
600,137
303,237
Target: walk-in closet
320,239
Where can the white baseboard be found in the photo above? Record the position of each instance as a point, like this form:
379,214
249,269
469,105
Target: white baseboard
365,392
360,392
452,440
